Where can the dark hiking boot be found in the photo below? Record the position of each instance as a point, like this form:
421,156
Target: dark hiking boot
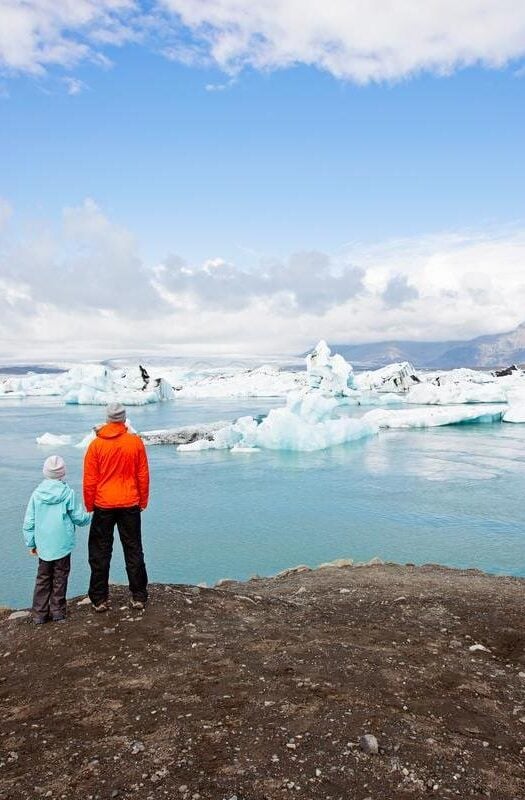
138,605
100,608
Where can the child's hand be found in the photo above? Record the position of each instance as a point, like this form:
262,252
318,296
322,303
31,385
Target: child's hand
33,551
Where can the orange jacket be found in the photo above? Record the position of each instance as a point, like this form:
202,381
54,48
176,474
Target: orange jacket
116,473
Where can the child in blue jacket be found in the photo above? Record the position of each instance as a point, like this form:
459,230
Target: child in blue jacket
49,532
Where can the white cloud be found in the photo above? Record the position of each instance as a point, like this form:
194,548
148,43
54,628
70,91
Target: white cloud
38,33
86,288
357,40
74,86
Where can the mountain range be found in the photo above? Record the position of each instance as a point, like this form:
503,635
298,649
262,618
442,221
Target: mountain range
494,350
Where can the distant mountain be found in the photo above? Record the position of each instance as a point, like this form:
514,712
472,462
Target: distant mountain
495,350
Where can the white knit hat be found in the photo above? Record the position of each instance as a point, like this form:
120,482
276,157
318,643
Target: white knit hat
54,468
116,412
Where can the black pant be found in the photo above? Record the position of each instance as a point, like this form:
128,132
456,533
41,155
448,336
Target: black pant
49,597
101,531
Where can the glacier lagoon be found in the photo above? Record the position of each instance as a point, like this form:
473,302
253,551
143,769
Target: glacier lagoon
451,495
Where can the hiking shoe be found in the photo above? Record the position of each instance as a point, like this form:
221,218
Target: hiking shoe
138,605
101,607
59,618
40,620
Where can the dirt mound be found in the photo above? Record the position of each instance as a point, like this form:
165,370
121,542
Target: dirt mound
264,690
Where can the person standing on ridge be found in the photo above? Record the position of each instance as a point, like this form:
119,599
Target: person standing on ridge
116,489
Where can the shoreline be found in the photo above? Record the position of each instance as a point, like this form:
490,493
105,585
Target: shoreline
264,689
336,563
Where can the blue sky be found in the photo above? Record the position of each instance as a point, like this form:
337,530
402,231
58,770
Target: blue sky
276,162
244,161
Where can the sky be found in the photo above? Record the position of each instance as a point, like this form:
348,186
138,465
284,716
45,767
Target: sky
217,176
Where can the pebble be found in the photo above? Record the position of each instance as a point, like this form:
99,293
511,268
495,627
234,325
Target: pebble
474,647
19,615
137,747
157,776
369,744
84,602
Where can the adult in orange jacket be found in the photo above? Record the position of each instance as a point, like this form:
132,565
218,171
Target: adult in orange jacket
116,489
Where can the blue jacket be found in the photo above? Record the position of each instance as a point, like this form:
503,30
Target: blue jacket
51,516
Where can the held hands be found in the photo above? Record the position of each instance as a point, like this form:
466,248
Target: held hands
33,551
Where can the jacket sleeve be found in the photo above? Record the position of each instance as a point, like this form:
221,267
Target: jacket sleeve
142,475
28,528
76,512
90,476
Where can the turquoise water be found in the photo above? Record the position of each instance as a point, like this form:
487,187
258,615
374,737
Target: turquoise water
452,495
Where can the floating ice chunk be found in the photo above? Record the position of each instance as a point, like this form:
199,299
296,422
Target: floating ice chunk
183,435
433,417
265,381
91,384
451,393
459,375
53,440
392,378
330,374
306,423
515,413
284,430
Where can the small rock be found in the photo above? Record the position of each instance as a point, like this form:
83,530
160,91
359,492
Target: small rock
344,591
159,775
338,563
115,793
521,674
84,602
137,747
474,647
369,744
19,615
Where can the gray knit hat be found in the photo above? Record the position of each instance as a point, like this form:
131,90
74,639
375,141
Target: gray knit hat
54,468
116,412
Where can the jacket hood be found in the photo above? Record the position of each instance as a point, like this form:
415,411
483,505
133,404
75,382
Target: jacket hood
52,492
111,430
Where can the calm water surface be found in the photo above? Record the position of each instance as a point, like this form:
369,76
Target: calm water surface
452,495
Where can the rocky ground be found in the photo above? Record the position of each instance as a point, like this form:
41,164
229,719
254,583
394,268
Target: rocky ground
266,690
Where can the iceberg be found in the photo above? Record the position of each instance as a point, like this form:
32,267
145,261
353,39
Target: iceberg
453,393
264,381
306,423
392,378
91,384
184,435
459,375
53,440
433,417
515,413
328,373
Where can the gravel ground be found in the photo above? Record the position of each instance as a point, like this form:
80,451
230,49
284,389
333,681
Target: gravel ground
275,688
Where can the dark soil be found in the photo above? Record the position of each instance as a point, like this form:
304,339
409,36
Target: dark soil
263,690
